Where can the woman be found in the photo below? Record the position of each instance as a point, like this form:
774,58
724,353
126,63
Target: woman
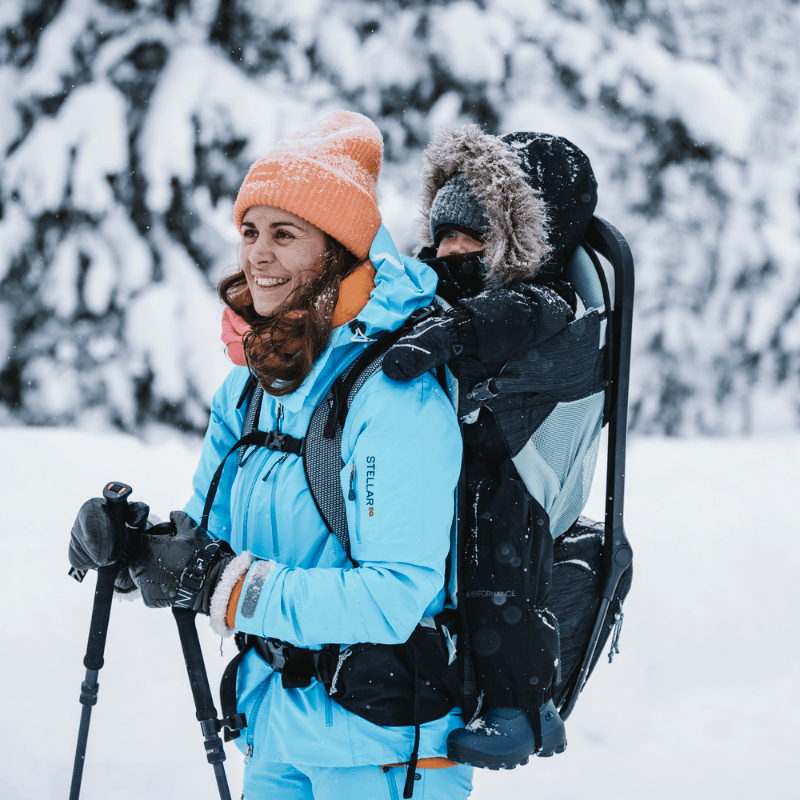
319,279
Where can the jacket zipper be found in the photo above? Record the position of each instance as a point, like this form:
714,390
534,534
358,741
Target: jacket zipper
251,726
267,454
392,780
273,514
351,495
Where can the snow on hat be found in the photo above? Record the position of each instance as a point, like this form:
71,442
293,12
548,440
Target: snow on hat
456,205
327,174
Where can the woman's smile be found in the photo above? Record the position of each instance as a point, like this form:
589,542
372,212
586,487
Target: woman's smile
268,282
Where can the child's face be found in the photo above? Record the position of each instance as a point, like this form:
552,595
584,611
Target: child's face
453,242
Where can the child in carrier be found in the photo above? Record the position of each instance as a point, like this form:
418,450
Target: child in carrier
501,218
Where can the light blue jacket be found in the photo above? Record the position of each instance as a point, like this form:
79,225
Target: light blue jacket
401,449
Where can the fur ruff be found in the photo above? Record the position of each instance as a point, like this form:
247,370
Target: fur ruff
516,244
222,594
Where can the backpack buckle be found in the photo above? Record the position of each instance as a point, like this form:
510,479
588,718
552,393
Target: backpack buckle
275,440
484,392
423,313
277,649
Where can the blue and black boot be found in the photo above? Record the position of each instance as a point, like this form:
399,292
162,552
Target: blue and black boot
504,738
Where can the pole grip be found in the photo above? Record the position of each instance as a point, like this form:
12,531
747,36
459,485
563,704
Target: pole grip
101,612
116,496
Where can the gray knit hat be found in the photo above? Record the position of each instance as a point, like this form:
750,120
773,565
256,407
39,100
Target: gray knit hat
456,205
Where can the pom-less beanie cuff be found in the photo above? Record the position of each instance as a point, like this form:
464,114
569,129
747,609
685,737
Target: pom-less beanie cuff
456,205
326,174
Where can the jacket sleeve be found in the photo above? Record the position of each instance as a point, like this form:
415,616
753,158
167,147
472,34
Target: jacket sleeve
402,448
510,321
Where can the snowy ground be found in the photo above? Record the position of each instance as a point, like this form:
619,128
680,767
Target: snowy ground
702,703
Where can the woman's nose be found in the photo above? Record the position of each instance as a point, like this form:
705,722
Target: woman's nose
262,251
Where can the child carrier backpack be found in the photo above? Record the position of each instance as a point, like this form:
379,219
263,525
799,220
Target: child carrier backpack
592,565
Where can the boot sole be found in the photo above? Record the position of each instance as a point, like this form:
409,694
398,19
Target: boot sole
556,742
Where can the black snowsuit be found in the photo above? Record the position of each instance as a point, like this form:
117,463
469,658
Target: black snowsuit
506,558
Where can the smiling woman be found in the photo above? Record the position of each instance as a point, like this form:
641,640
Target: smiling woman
318,280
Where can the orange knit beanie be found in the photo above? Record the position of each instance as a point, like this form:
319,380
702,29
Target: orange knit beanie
327,174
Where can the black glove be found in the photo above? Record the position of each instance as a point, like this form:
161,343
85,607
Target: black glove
433,342
509,321
177,563
96,542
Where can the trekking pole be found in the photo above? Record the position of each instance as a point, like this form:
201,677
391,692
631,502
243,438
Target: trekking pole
201,692
116,496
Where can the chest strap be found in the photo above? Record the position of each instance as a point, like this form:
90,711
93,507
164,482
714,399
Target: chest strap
272,440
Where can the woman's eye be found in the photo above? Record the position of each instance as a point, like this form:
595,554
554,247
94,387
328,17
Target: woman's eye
283,234
249,233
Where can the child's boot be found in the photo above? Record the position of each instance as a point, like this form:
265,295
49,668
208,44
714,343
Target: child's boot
503,738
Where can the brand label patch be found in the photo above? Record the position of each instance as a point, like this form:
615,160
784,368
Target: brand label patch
370,485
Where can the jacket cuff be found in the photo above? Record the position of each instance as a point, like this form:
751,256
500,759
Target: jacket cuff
221,598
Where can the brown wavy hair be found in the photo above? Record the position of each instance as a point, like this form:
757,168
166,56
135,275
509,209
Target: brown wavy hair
281,349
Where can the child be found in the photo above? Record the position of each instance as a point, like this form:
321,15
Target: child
502,216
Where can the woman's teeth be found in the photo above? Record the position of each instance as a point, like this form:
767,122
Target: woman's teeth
268,282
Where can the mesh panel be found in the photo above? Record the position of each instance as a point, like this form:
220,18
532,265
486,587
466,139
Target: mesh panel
323,461
557,464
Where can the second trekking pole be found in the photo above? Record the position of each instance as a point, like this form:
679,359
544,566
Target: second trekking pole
201,692
116,496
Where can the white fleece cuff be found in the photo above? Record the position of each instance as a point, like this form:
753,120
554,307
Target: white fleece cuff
128,597
222,594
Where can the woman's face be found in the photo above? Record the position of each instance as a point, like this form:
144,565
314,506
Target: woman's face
280,253
453,242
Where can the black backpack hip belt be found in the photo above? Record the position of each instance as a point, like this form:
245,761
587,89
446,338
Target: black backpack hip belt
387,684
296,665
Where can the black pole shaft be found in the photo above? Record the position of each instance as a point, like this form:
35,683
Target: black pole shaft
201,692
93,661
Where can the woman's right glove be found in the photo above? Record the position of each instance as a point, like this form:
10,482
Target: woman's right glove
177,563
96,542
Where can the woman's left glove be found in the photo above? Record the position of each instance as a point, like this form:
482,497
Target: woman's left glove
177,563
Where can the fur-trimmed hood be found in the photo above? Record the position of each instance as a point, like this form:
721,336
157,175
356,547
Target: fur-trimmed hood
539,193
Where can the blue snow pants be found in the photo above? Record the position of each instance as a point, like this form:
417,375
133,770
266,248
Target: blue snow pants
289,782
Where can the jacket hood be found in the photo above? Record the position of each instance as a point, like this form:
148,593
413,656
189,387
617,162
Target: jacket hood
538,190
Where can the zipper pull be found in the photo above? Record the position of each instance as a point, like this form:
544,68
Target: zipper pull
278,416
247,753
359,330
351,495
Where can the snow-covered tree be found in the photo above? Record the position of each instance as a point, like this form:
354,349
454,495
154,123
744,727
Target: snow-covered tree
128,124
